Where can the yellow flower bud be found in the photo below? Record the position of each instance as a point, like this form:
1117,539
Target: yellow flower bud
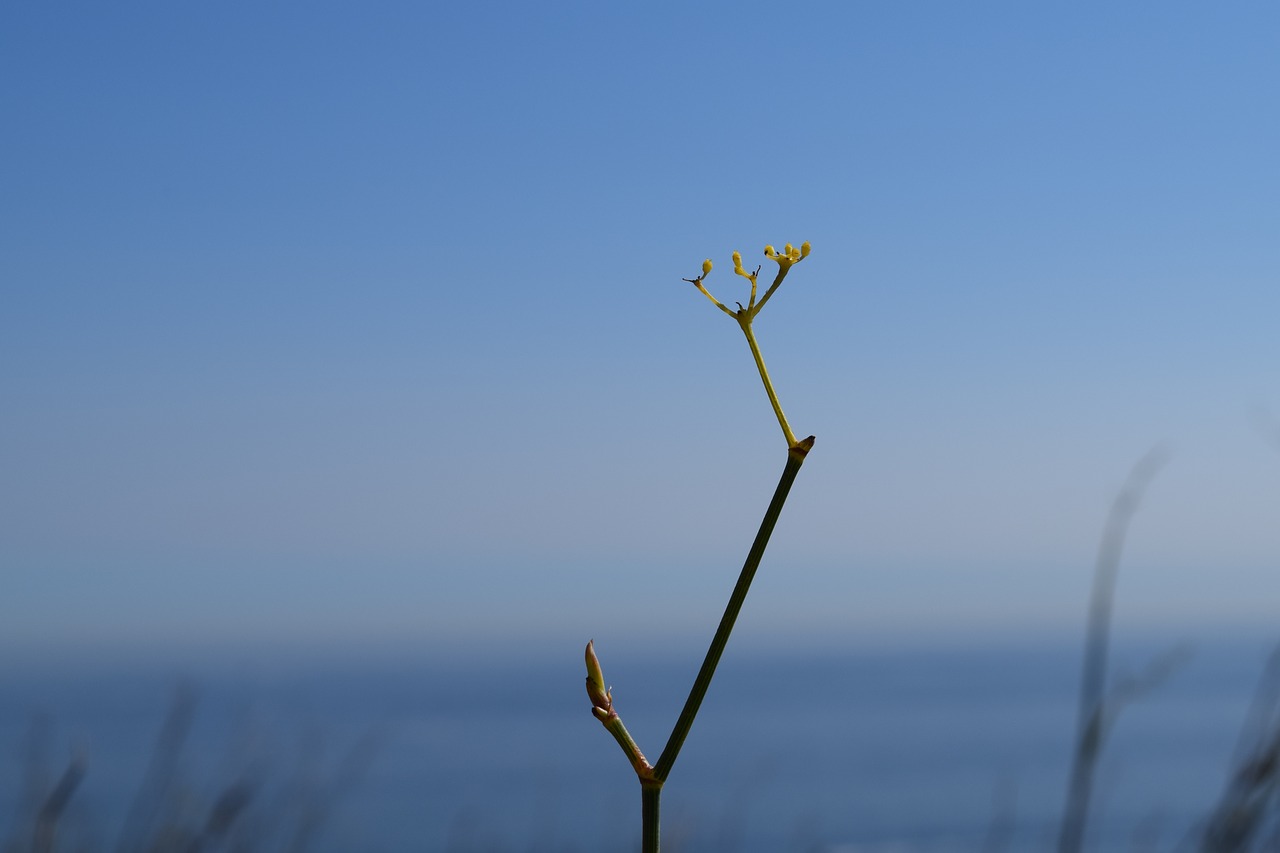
737,259
804,249
789,255
706,266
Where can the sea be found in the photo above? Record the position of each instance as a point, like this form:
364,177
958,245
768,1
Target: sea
943,747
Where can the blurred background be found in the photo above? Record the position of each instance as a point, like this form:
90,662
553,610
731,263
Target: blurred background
347,374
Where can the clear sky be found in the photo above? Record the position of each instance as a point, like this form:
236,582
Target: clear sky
337,324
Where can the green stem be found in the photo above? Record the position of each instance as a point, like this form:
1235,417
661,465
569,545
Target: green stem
638,762
782,273
744,320
650,835
795,458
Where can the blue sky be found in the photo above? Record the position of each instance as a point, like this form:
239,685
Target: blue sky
344,324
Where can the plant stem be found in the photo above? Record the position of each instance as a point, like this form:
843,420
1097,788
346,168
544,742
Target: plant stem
638,762
795,458
1094,703
650,835
744,320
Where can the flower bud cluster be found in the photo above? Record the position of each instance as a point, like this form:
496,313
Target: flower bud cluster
789,255
787,258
